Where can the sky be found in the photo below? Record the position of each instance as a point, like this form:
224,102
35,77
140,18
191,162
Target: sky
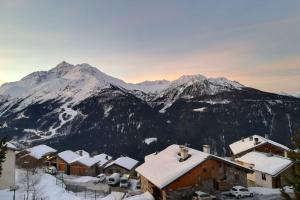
254,42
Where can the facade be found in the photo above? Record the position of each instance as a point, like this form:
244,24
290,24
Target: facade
80,163
174,174
89,166
64,160
7,177
257,143
270,170
37,156
122,165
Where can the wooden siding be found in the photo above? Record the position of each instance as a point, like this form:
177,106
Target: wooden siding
208,176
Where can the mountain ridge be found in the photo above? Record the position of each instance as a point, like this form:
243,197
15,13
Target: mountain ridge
78,106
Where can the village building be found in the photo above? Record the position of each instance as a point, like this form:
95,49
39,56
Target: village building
270,170
64,160
177,171
7,177
88,166
257,143
37,156
122,165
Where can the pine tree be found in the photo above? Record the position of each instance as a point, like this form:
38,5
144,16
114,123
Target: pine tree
294,179
3,149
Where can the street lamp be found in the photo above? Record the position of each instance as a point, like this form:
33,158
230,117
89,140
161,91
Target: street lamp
14,188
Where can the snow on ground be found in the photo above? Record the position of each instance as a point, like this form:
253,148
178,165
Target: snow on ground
199,109
84,179
150,140
47,189
67,110
225,101
145,196
268,191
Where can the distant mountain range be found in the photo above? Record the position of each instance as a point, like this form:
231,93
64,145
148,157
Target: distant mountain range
79,107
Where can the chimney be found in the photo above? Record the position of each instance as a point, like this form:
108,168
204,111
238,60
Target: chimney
267,136
80,152
285,154
250,138
183,153
206,148
256,141
243,139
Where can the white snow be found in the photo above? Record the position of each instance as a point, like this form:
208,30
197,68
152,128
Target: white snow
269,191
247,144
265,163
40,150
125,162
199,109
84,179
150,140
164,167
213,102
67,110
145,196
47,188
68,156
101,160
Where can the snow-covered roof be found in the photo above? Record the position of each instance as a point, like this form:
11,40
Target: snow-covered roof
82,153
40,150
266,163
101,159
11,146
69,156
164,167
249,143
125,162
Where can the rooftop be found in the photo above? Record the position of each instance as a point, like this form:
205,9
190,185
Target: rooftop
125,162
165,167
40,150
249,143
266,163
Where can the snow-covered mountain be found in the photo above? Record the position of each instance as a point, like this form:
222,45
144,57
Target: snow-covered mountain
78,106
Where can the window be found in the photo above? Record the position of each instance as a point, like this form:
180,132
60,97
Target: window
204,170
263,177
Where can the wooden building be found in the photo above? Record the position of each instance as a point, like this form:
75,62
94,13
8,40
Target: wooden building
257,143
122,165
65,159
270,170
89,166
177,171
37,156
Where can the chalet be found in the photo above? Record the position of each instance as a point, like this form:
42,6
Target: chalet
64,160
177,171
88,166
257,143
36,156
7,177
270,170
122,165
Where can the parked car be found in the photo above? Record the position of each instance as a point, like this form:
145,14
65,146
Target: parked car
240,191
199,195
124,181
100,178
51,170
113,179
